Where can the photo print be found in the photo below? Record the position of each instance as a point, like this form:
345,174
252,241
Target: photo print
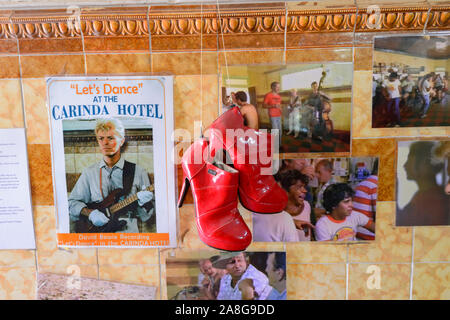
309,105
423,183
227,276
410,81
90,182
52,286
329,199
106,135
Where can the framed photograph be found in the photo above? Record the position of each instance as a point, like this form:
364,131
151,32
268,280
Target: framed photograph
107,133
329,199
410,81
227,276
423,183
307,105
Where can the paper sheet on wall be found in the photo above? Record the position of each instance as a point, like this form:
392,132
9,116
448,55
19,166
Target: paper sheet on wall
16,218
103,130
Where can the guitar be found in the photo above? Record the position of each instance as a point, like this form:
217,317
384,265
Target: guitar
112,208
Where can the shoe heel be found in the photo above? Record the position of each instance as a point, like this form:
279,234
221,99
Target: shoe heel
183,192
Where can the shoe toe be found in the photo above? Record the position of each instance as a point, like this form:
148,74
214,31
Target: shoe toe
234,236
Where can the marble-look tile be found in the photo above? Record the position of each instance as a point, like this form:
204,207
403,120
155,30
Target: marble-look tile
250,57
11,115
320,5
210,99
117,63
87,271
188,234
309,55
186,98
431,244
316,281
116,44
52,65
46,242
246,215
266,246
384,149
363,58
8,46
163,287
431,281
315,252
392,244
131,274
45,46
393,282
194,42
17,283
362,107
192,63
312,40
9,67
36,112
17,258
186,253
273,40
40,166
116,256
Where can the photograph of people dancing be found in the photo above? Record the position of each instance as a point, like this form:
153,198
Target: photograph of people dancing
307,105
410,81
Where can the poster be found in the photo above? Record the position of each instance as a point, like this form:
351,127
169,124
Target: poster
16,217
113,176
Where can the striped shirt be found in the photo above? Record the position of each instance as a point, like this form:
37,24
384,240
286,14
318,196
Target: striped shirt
365,202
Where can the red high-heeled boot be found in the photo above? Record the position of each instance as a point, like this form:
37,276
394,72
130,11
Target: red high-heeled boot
258,192
214,189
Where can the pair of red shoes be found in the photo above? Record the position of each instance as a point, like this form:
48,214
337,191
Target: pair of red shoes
216,185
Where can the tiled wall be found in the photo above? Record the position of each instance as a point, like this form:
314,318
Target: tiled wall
414,262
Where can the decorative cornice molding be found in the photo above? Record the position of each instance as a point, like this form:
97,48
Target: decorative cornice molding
193,22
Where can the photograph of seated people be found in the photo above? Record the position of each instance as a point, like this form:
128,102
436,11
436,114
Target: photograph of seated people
422,183
307,105
228,276
410,81
306,181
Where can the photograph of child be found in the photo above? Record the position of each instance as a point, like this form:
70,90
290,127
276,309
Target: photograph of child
330,199
410,81
423,183
228,276
308,106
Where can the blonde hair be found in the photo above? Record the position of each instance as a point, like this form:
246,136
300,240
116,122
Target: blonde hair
105,124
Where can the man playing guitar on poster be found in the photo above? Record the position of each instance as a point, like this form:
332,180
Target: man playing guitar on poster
111,180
